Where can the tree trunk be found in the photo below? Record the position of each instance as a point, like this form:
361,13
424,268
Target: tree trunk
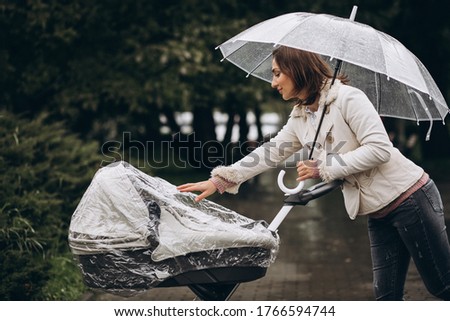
204,129
243,126
258,115
171,122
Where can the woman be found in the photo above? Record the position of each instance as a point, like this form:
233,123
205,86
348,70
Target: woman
402,204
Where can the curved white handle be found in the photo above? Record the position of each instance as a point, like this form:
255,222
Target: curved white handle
283,187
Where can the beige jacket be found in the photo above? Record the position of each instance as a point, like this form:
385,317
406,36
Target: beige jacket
352,145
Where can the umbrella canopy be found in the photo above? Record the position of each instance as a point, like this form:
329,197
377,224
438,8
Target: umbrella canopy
393,78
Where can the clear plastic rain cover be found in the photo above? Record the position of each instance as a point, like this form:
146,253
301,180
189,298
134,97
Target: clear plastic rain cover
131,232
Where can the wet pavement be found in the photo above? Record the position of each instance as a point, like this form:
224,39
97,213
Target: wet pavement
323,254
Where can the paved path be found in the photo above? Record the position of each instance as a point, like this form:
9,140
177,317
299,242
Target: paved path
286,282
323,256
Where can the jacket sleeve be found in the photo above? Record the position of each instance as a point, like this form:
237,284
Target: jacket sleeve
368,129
268,155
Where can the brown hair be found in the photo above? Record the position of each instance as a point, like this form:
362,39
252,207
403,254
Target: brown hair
308,70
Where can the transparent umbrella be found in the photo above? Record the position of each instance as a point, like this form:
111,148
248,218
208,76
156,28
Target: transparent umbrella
393,78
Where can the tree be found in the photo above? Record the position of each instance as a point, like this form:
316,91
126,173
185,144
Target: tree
43,170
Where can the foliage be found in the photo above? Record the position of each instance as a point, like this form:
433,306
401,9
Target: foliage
109,67
44,171
65,281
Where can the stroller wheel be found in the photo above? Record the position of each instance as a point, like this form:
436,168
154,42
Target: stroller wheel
213,292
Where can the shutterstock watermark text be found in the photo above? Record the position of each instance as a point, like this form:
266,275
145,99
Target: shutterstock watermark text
185,151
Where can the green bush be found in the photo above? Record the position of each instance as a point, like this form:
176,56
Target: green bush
44,171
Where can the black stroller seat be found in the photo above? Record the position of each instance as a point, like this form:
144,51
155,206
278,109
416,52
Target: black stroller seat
104,272
132,232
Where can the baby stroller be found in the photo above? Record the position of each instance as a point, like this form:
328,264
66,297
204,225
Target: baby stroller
132,232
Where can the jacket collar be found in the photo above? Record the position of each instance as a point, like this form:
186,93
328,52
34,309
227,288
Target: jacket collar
327,96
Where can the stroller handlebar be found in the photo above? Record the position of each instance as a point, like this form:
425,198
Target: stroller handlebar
302,198
315,191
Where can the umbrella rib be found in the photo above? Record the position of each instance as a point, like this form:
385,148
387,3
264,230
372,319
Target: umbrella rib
293,28
425,108
378,90
382,49
259,64
412,106
229,54
275,43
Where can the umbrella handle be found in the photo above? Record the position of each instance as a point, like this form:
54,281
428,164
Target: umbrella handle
285,189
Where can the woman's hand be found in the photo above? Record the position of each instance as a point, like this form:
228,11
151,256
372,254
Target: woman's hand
307,169
206,188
